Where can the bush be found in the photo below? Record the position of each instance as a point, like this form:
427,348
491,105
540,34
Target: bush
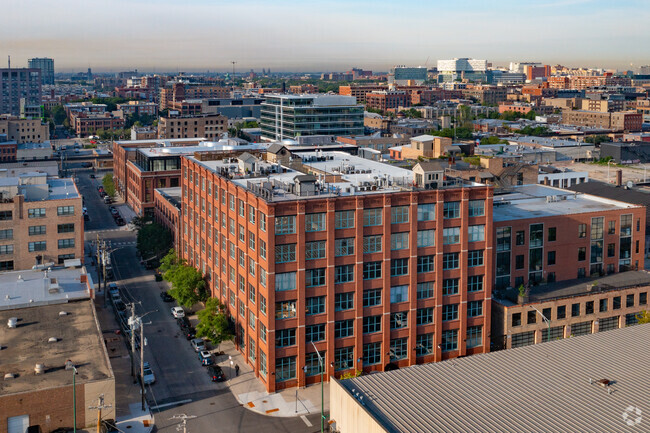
109,186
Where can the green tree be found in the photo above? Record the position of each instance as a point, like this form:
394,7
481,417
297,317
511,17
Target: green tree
643,317
213,323
169,261
597,139
493,140
153,241
109,186
188,286
58,115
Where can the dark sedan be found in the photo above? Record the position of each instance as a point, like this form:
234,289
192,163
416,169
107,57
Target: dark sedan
216,373
166,297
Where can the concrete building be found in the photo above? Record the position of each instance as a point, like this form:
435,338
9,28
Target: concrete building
55,329
573,308
41,221
46,66
626,152
208,126
339,251
545,234
16,84
406,75
289,116
589,383
462,68
24,130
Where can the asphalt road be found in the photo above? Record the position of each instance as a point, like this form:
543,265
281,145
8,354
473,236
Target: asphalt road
182,384
100,217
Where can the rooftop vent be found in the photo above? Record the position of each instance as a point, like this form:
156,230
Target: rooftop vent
12,322
52,340
39,369
9,376
63,313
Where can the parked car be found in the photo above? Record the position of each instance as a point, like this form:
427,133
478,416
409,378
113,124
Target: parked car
198,344
189,332
216,373
206,358
178,312
108,199
183,322
119,221
166,297
92,176
148,377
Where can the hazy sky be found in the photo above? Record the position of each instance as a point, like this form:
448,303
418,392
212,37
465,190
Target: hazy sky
317,35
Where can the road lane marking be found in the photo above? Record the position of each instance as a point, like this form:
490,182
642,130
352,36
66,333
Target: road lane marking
304,418
173,403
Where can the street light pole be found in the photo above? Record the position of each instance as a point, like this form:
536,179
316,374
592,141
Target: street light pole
322,402
548,322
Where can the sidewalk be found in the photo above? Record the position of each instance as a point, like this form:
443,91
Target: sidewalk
251,393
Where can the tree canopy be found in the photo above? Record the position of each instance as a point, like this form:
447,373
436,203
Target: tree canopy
213,323
153,241
188,286
461,133
109,186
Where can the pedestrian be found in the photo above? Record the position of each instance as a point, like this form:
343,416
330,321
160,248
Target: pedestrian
236,369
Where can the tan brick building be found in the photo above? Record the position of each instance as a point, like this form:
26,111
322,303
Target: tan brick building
24,130
41,221
208,126
617,121
360,91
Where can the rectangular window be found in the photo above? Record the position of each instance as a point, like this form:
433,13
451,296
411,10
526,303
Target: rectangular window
424,345
285,309
285,253
315,277
550,258
426,212
231,202
251,214
263,304
284,281
315,250
476,208
451,209
7,265
516,319
263,368
6,215
372,217
503,239
449,340
561,312
582,230
475,283
425,264
344,219
343,274
66,243
37,246
474,336
252,320
315,305
371,244
450,286
399,214
263,249
344,247
262,221
37,230
399,294
450,261
242,208
315,222
372,353
476,233
425,290
424,316
65,228
575,310
251,240
520,238
285,368
6,249
64,210
343,301
313,364
449,312
371,297
285,225
285,337
399,267
36,213
399,320
597,228
343,328
551,234
616,304
474,308
398,349
315,332
344,358
371,270
426,238
450,235
6,234
536,235
643,298
242,234
399,241
475,258
582,254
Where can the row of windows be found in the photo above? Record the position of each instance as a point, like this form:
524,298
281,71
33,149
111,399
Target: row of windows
42,245
41,230
41,213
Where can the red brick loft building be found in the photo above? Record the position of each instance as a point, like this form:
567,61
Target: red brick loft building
341,254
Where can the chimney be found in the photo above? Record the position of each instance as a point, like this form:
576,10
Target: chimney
619,177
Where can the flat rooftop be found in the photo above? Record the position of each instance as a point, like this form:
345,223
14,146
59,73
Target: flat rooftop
206,146
173,195
62,188
159,142
79,339
534,201
30,288
538,388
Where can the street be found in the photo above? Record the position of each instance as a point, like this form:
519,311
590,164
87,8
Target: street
182,384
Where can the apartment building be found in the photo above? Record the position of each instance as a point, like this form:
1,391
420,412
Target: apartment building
208,126
24,130
340,254
617,121
88,124
174,94
46,66
17,84
360,91
168,203
41,221
544,234
486,94
572,308
139,108
387,100
289,116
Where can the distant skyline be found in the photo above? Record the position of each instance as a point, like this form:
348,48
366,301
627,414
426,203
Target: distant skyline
333,35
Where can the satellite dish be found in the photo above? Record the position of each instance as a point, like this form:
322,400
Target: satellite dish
630,184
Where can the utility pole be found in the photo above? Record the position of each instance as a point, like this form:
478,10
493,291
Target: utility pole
131,326
104,259
99,273
183,425
99,408
141,360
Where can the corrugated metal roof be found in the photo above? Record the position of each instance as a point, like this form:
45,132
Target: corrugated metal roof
539,388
